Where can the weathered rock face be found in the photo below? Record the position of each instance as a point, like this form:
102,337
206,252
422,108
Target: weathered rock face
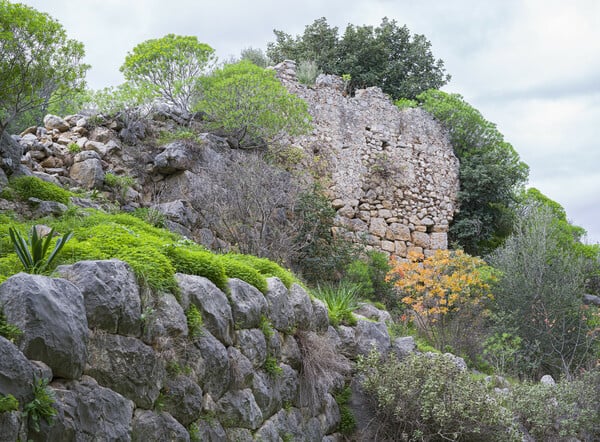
394,176
51,314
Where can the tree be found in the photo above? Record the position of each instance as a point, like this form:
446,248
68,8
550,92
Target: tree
491,173
386,56
441,288
39,64
170,66
539,297
256,56
251,105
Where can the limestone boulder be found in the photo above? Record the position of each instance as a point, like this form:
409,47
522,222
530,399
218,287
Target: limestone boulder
87,411
52,122
248,304
127,366
240,409
174,157
211,431
149,425
252,343
217,367
182,398
16,372
166,318
51,314
211,302
280,310
88,173
179,211
111,295
10,155
242,371
404,346
369,335
302,306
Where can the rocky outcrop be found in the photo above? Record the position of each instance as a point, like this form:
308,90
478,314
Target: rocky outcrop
393,173
122,365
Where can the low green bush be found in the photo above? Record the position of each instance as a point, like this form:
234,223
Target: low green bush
42,405
9,331
237,269
265,267
428,397
32,187
272,367
8,403
341,300
198,262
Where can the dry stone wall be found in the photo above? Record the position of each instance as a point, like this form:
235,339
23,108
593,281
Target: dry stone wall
393,175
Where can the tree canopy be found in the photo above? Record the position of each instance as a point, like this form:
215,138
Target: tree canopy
170,66
387,56
251,105
491,173
39,64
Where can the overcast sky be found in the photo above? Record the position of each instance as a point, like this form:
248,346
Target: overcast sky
530,66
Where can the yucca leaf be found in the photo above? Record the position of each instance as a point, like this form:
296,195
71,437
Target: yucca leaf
60,243
21,249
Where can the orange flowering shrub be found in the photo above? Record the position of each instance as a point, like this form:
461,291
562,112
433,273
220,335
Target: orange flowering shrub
441,288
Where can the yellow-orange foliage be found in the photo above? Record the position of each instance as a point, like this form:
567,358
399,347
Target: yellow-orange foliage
441,286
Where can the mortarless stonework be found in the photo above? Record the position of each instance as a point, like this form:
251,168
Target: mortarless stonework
393,175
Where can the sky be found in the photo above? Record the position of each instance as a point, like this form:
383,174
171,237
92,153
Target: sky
532,67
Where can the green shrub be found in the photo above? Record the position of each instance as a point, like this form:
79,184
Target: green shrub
341,300
238,269
198,262
307,72
347,419
150,266
370,273
9,331
568,410
194,321
8,403
74,147
428,397
42,405
405,103
181,133
151,216
266,327
266,267
272,367
32,187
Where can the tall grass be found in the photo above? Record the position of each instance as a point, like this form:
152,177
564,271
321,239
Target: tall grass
341,300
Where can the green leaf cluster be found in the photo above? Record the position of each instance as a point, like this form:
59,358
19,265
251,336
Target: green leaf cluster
32,253
491,173
33,187
39,64
42,406
8,403
341,300
249,103
388,56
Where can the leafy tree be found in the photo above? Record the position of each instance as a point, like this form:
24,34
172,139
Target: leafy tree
256,56
539,297
170,66
250,104
441,288
491,173
39,64
387,56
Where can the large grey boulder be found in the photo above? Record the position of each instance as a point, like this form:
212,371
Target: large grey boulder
10,423
281,312
211,302
371,335
290,352
371,312
288,384
152,426
86,412
10,155
182,398
88,173
253,344
217,369
16,372
267,392
247,304
239,409
167,319
242,371
179,211
404,346
238,435
174,157
51,314
210,431
52,122
127,366
111,295
330,417
320,315
302,306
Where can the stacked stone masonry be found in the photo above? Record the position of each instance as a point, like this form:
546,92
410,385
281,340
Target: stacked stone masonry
393,173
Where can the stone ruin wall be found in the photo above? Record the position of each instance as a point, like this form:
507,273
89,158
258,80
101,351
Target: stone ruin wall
393,173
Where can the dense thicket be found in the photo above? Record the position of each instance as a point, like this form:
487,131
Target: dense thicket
491,173
388,56
39,64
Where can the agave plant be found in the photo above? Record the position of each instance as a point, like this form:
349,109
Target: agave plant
32,252
341,300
